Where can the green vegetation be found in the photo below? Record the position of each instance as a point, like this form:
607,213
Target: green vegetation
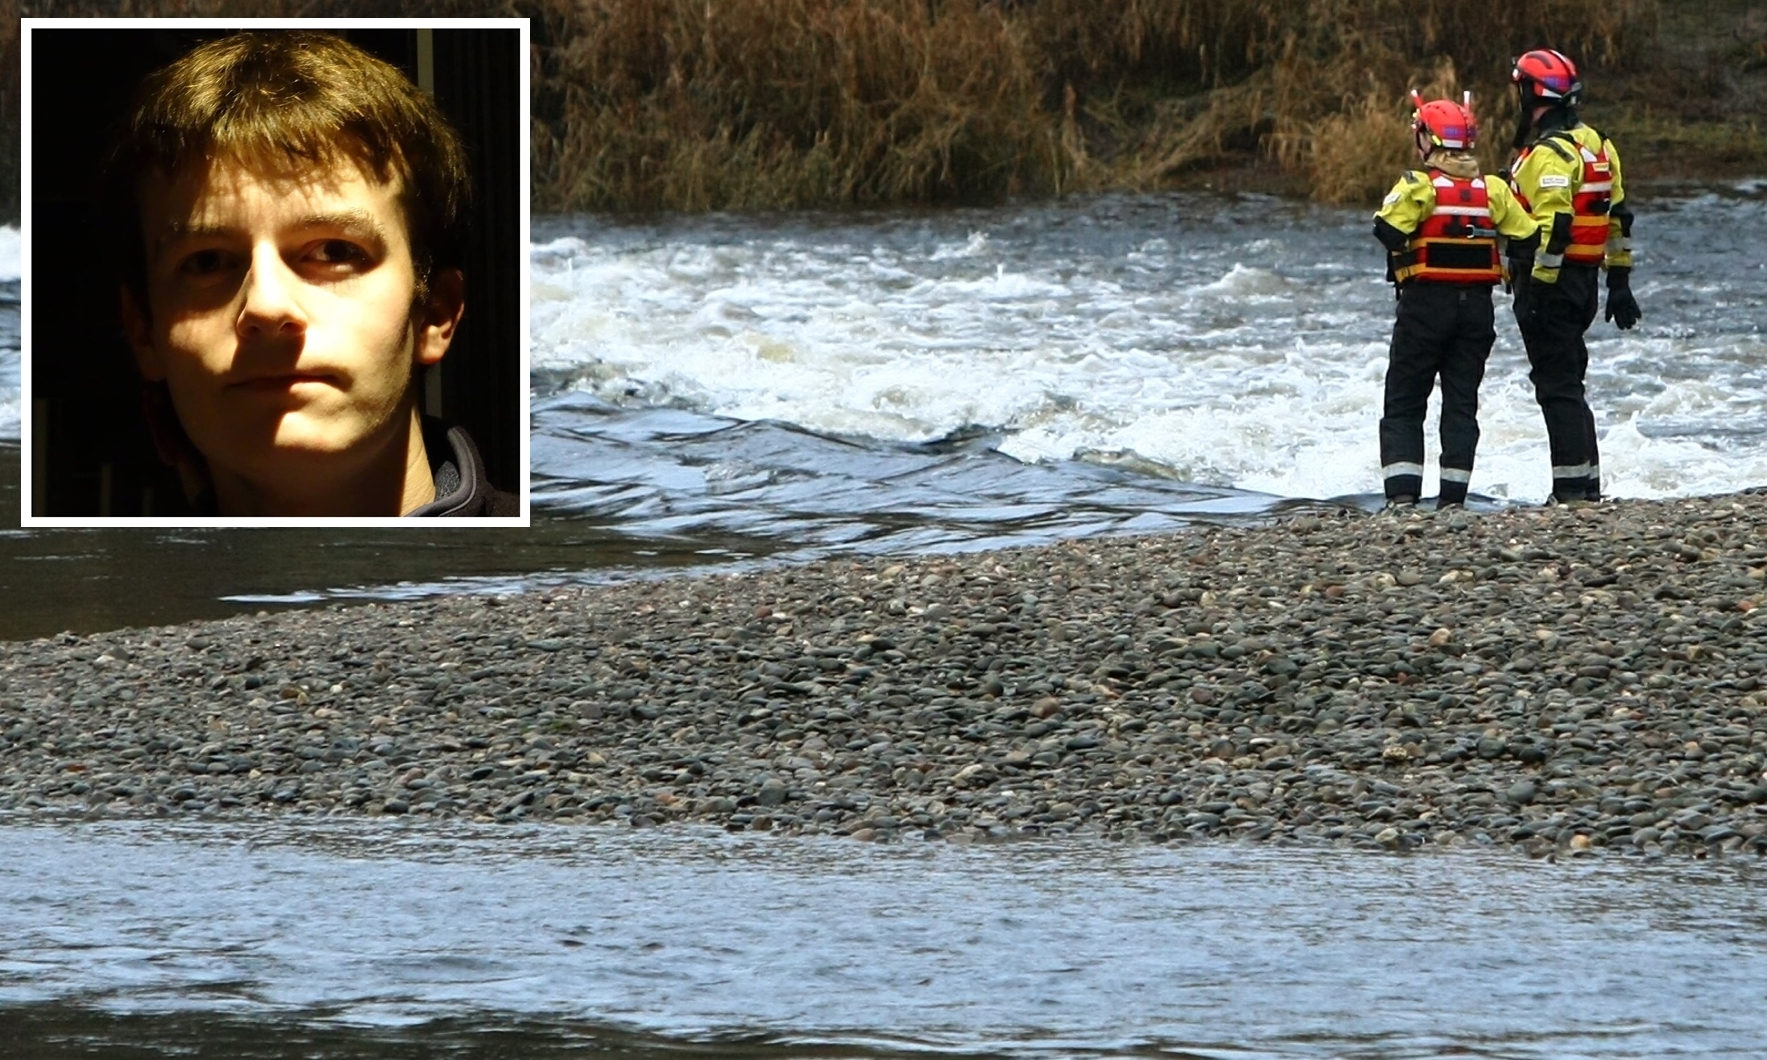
775,104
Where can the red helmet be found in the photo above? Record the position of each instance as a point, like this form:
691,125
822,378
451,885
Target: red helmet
1548,77
1443,123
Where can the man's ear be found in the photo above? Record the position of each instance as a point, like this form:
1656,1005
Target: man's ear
138,330
439,315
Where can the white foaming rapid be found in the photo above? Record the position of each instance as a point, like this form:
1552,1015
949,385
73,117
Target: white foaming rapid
10,270
11,254
1225,343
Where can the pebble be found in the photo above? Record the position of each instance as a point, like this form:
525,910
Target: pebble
1552,681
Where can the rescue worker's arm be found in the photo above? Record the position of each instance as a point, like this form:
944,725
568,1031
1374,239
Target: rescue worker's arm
1521,234
1622,307
1404,208
1547,178
1619,216
1513,222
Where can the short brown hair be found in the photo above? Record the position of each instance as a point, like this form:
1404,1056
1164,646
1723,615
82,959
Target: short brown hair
275,100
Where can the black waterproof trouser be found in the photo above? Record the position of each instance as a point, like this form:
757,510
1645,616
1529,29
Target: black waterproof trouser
1553,318
1443,331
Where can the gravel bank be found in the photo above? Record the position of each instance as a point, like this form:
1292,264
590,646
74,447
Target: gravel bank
1561,680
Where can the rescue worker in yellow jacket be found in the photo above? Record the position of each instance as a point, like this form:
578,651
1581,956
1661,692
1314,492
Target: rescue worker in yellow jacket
1567,176
1441,227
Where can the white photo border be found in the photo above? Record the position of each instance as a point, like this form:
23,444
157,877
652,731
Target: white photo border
28,452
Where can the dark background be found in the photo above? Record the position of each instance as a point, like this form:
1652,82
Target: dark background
97,458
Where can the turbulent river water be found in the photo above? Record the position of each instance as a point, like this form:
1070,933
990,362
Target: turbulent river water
323,940
716,391
730,389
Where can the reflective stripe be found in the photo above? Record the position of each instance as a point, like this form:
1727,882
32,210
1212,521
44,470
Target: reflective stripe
1590,205
1551,261
1574,471
1623,243
1395,470
1454,474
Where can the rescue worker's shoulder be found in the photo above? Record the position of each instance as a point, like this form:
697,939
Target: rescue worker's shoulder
1561,144
1414,187
1542,168
1554,151
1613,157
1588,136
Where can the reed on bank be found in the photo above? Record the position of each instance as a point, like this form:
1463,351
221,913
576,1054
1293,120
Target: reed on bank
684,104
9,120
776,104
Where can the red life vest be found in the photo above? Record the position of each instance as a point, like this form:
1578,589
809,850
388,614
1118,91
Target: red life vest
1590,200
1457,242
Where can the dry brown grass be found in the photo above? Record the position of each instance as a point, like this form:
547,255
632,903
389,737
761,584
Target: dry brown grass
685,104
9,114
764,104
1340,114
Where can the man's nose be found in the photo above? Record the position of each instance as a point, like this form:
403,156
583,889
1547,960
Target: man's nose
271,308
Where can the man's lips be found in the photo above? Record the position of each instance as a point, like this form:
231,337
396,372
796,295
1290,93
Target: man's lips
285,381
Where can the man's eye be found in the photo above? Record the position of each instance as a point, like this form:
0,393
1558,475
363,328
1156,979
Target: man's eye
203,263
338,252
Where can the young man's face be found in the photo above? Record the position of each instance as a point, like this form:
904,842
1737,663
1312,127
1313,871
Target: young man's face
280,316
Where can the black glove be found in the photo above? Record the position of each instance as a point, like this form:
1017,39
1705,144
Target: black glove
1622,308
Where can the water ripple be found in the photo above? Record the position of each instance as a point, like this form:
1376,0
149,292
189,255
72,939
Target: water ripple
1018,950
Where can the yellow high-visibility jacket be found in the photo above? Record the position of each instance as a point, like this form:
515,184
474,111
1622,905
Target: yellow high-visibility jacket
1413,199
1569,181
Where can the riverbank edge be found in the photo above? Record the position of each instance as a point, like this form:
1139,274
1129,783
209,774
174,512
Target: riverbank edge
1555,680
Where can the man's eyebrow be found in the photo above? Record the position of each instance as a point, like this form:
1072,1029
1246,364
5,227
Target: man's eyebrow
176,230
349,220
353,220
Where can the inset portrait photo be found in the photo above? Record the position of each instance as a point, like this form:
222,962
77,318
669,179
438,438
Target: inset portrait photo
274,271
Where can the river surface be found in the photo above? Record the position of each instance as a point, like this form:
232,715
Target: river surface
329,939
726,390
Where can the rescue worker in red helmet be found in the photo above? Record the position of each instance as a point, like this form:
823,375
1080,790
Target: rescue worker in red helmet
1567,176
1441,226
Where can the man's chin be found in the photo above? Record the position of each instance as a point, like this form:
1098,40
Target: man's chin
303,447
293,441
322,433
